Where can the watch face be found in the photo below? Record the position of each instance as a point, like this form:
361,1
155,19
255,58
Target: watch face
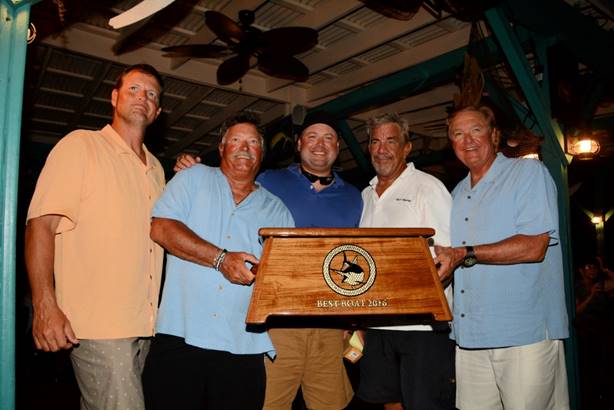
469,261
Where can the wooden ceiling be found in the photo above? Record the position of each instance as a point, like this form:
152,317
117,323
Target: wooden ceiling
71,72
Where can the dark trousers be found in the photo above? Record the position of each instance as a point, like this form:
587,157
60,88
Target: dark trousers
180,376
415,368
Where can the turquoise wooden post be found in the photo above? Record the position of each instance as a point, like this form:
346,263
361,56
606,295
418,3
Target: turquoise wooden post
14,19
354,146
555,161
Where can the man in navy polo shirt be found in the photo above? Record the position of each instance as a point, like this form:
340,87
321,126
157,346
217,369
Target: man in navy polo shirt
316,197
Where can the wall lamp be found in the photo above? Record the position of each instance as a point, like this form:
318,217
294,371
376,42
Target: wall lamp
584,146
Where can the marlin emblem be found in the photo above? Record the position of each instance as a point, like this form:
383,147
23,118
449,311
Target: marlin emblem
352,273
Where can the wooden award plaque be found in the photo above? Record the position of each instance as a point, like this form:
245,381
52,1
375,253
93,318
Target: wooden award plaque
346,272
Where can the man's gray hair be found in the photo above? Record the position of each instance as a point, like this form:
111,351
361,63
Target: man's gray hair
389,118
242,118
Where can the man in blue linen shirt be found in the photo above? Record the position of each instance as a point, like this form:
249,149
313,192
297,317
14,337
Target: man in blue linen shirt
208,220
317,197
509,306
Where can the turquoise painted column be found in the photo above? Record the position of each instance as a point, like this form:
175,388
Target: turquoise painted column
354,146
14,20
556,162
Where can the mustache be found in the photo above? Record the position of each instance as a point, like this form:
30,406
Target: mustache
244,155
382,156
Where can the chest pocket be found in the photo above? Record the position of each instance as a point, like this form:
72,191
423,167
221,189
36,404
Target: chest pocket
402,212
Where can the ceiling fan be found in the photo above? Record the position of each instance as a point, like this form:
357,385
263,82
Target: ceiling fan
273,50
395,9
405,9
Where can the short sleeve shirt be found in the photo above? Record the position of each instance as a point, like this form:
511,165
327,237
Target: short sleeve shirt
415,199
107,269
198,302
516,304
336,206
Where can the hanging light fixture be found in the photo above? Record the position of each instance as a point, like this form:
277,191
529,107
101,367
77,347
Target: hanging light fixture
583,146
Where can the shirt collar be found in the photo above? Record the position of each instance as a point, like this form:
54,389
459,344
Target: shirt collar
296,169
407,173
495,169
120,146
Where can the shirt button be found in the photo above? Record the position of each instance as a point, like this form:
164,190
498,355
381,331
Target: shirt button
462,315
150,250
468,196
220,288
214,315
462,290
464,242
466,219
227,236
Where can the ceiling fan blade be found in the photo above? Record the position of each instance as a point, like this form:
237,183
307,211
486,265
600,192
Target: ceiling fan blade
283,66
197,51
224,28
396,9
142,10
232,69
126,41
466,10
289,40
151,28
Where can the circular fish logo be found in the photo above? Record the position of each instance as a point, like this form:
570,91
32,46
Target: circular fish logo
349,270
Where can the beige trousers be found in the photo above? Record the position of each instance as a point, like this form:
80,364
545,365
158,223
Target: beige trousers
109,373
529,377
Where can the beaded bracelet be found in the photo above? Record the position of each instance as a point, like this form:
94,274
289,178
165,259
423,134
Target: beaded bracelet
217,262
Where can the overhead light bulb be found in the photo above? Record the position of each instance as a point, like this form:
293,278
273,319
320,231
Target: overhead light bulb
597,219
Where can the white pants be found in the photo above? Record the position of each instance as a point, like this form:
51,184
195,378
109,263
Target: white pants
529,377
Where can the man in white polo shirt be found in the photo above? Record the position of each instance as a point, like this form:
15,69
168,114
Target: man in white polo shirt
409,366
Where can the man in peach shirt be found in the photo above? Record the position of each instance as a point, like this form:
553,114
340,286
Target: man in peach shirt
94,272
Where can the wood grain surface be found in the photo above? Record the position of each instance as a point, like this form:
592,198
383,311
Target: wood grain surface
291,277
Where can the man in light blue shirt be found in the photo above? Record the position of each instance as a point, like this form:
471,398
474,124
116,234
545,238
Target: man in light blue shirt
208,220
509,305
311,358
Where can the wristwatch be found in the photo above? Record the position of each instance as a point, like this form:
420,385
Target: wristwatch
470,259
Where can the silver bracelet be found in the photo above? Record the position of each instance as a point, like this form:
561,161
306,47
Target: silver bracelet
217,262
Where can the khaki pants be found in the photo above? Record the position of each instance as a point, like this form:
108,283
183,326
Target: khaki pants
109,373
529,377
312,359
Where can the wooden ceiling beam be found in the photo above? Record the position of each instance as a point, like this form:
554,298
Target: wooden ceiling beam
186,106
98,79
411,57
239,104
378,34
